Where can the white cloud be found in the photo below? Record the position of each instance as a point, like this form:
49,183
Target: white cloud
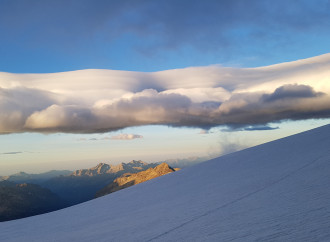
91,101
11,153
126,137
203,131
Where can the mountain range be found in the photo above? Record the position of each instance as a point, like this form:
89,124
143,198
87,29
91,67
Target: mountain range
23,177
130,179
82,185
24,194
277,191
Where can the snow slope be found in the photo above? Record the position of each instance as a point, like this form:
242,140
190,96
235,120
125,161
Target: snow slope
277,191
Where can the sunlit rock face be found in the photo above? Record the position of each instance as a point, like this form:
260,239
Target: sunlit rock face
81,185
130,179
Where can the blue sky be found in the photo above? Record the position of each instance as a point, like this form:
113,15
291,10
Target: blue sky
54,36
146,36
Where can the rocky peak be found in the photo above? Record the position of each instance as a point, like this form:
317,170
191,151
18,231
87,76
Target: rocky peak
163,168
101,168
129,179
116,168
137,163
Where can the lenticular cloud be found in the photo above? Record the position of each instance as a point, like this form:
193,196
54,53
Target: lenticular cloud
90,101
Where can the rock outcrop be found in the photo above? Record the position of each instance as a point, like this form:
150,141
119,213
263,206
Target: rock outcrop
129,179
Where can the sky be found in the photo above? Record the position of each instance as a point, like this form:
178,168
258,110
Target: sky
83,82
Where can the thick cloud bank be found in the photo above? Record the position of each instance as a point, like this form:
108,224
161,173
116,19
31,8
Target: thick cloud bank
90,101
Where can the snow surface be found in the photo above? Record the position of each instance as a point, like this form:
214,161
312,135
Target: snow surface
277,191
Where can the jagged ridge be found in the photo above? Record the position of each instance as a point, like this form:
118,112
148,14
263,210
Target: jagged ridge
130,179
103,168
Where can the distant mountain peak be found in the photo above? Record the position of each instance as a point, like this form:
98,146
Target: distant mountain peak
104,168
21,173
23,177
99,169
116,168
138,162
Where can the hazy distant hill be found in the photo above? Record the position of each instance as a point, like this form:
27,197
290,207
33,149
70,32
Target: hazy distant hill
23,177
129,179
23,200
186,162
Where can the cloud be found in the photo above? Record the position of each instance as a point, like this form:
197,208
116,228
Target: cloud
11,153
98,101
291,92
203,131
81,139
68,117
206,131
17,103
126,137
157,28
256,108
93,139
259,127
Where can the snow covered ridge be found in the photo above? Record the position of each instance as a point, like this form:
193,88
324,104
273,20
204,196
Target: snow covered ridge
278,191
